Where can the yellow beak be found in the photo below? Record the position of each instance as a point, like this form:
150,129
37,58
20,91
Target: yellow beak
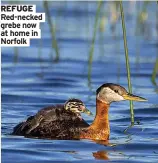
88,112
132,97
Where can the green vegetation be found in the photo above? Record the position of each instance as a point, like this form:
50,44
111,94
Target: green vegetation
127,61
93,41
155,70
52,30
16,54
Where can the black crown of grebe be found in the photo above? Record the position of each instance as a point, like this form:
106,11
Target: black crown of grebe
53,117
64,124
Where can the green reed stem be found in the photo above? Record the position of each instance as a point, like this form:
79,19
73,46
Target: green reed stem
155,70
93,41
127,61
16,54
40,50
52,30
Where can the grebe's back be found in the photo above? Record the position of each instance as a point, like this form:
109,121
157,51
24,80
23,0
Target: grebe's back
54,122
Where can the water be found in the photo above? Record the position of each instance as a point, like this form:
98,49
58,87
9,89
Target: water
34,82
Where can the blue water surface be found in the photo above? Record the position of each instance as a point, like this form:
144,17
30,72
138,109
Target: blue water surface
32,80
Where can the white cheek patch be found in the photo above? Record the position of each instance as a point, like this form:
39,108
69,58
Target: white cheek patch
109,95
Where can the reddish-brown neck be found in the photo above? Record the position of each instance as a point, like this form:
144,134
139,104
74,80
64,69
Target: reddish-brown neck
99,129
101,120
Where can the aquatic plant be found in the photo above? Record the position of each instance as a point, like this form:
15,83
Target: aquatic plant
93,40
155,70
16,54
127,61
40,50
142,16
52,30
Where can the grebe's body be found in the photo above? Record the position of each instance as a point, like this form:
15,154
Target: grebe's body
71,126
54,122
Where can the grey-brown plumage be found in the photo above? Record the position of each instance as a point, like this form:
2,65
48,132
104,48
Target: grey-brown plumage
54,122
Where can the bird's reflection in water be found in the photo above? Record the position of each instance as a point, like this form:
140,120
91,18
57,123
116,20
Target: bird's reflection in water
105,142
101,155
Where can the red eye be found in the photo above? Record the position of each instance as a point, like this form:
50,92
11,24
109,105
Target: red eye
80,109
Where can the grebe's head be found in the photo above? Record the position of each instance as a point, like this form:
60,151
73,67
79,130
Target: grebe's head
76,106
110,92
